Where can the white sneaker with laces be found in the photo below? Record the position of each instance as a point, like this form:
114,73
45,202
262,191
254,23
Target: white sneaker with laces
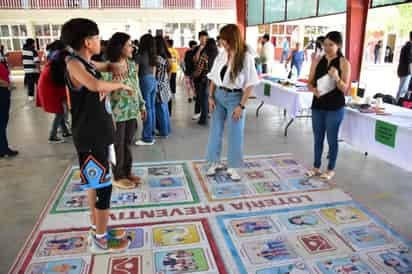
196,116
213,168
143,143
234,175
31,98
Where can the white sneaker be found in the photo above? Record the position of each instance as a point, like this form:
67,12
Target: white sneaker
213,168
196,116
234,175
143,143
31,98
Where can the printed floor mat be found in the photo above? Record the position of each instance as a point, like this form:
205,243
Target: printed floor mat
274,220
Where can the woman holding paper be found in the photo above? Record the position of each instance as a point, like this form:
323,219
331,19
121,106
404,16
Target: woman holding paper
329,80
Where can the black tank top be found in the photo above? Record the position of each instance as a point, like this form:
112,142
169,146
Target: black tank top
335,99
92,123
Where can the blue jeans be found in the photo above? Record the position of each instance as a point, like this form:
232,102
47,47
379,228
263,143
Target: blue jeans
298,69
326,122
225,105
163,119
403,86
148,85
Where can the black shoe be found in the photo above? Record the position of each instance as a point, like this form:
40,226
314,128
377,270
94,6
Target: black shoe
55,140
67,134
10,153
189,100
202,123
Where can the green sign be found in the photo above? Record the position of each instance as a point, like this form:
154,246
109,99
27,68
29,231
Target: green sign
385,133
266,90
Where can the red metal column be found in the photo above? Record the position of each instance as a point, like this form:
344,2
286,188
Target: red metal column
241,16
356,17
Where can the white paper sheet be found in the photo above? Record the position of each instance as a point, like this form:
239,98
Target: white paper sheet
326,84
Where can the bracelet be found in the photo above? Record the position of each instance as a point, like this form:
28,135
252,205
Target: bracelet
241,106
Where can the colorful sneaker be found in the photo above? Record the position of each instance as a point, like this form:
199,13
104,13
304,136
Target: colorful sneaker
114,233
109,245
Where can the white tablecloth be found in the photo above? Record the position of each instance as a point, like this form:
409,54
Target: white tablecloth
358,130
288,98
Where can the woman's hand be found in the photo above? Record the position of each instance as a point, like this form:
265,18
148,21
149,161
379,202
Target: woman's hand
237,113
212,104
143,114
333,72
315,91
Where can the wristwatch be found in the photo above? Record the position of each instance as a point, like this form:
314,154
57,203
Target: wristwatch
241,106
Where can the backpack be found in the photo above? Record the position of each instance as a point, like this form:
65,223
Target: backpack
406,101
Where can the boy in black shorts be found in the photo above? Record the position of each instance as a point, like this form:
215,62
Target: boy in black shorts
92,128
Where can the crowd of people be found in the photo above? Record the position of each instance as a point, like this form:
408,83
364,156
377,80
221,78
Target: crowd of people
109,86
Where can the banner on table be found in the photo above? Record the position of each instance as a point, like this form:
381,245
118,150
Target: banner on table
385,133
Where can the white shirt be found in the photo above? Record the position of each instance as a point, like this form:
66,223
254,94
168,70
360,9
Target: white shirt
247,77
269,52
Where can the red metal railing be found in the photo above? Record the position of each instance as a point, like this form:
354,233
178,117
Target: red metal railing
178,4
11,4
110,4
217,4
75,4
55,4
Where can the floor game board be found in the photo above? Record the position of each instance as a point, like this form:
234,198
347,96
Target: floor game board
181,221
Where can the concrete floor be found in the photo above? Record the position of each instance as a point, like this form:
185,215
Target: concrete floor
27,181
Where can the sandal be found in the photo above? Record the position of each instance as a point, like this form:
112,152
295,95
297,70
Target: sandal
313,172
327,175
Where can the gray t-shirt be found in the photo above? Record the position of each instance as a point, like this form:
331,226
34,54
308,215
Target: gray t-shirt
144,65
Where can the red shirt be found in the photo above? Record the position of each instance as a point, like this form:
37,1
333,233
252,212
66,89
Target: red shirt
4,73
49,96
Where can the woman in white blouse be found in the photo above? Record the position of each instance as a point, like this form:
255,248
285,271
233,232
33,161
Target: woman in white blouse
232,78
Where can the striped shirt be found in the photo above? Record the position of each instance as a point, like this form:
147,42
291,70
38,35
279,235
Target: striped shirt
30,60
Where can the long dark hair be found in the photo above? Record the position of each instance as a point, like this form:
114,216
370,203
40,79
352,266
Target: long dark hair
161,48
58,64
148,45
336,37
319,43
211,51
116,45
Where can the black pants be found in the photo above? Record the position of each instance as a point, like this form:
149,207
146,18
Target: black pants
30,79
197,92
264,68
125,132
204,101
173,89
95,170
4,119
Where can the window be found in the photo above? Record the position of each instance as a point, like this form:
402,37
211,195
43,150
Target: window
46,34
274,10
187,32
331,6
181,33
298,9
212,29
254,12
376,3
13,37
